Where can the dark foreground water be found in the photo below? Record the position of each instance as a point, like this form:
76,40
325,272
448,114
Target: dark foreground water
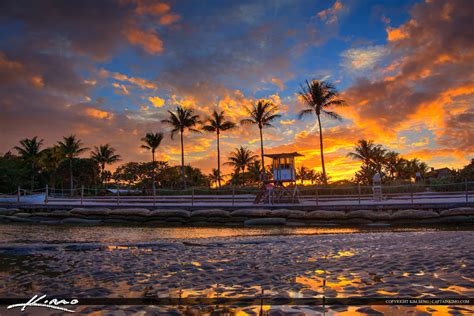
113,262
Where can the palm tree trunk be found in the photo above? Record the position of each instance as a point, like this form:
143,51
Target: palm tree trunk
71,182
218,161
182,161
153,169
261,152
325,179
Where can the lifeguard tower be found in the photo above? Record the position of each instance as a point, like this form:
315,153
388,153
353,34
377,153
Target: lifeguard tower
282,188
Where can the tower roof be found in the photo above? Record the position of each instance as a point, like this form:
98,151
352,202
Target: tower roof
284,155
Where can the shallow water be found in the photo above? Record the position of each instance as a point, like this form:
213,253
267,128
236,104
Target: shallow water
34,233
239,262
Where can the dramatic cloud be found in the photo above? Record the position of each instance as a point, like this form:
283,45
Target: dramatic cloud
431,75
108,71
363,58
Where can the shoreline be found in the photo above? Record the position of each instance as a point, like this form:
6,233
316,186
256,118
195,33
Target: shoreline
247,217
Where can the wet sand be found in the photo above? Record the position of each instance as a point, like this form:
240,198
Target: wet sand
436,264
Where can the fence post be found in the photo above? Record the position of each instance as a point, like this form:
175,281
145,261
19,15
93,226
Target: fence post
154,194
358,191
467,191
46,195
118,195
317,198
192,196
82,195
233,195
18,195
411,192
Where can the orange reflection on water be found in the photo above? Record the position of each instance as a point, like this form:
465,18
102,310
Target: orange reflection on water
316,284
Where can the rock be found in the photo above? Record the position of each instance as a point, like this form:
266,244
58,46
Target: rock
169,213
454,211
130,211
8,211
90,211
369,214
252,212
156,223
4,218
202,224
414,214
20,219
50,222
211,212
216,219
75,220
265,221
175,219
379,225
320,214
356,221
288,213
39,218
42,214
458,219
296,224
128,218
115,221
23,214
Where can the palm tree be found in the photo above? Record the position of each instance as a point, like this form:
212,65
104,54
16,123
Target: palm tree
364,151
415,166
151,142
255,171
319,97
180,120
217,123
316,177
71,147
103,155
215,177
261,114
373,158
49,161
29,150
240,158
302,174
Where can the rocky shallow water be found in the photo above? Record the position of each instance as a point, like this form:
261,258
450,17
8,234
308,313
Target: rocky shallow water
436,264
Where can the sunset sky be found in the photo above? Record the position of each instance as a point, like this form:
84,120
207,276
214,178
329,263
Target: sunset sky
108,71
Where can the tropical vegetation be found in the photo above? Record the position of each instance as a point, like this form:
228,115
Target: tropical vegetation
181,120
216,124
320,97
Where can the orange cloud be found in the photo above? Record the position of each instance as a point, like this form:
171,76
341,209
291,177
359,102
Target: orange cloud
169,19
37,81
287,122
395,34
148,39
156,101
278,83
140,82
99,114
121,88
153,8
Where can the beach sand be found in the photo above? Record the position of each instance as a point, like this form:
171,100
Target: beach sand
436,264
